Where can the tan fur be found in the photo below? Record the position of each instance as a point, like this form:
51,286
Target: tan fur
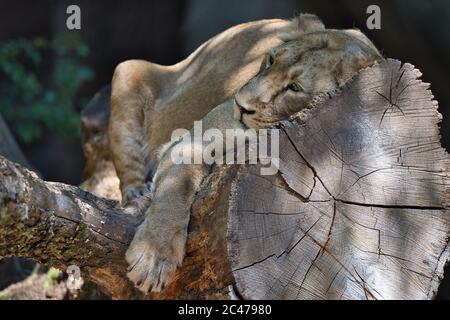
315,59
149,101
315,63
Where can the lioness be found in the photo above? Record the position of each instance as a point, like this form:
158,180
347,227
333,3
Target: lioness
149,101
306,60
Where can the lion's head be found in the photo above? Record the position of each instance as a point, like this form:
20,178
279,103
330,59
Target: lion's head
294,73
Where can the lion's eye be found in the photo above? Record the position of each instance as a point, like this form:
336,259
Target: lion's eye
294,87
270,61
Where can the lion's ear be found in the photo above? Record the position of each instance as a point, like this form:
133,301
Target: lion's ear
308,22
305,23
355,58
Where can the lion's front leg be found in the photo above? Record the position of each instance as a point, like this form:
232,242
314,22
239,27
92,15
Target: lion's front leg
133,96
158,246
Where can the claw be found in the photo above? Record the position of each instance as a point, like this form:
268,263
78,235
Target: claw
153,264
131,267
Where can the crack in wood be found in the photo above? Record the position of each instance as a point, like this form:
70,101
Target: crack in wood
331,227
365,286
389,100
304,159
254,263
307,272
385,206
288,251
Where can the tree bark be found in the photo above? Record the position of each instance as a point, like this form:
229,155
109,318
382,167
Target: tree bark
358,210
61,225
14,269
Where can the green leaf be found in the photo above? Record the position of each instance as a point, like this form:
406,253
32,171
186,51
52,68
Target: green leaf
31,103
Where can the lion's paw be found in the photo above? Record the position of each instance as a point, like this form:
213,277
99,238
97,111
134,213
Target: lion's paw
137,198
151,264
134,192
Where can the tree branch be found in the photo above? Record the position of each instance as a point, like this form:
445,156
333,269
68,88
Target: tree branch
60,225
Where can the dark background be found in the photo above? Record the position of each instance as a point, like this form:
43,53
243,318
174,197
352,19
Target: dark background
166,31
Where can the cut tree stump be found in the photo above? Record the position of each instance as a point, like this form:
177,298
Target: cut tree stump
360,207
358,210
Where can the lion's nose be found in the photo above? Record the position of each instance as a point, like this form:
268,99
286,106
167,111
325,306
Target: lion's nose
243,109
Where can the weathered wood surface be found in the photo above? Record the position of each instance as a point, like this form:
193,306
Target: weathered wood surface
61,225
360,207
